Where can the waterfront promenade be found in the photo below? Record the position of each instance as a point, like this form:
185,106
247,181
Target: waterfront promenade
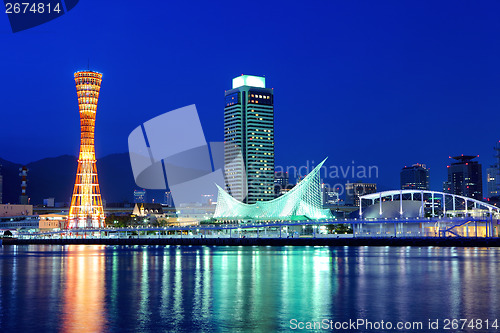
397,232
261,241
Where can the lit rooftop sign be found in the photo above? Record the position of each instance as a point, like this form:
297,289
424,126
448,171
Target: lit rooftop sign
249,80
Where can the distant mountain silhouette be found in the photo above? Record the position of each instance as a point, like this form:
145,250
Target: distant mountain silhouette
55,177
116,178
11,189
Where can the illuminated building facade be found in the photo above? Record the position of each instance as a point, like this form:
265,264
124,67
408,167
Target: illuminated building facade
304,200
281,178
168,200
331,196
249,131
493,175
415,177
52,222
86,204
465,177
140,196
354,190
491,178
281,183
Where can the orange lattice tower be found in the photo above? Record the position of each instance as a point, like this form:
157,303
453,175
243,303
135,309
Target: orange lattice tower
86,204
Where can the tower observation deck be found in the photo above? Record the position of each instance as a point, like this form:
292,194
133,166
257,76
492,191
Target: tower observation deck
86,204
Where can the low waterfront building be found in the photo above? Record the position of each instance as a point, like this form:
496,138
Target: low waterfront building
52,222
196,211
15,210
145,209
172,221
24,222
430,228
426,213
49,202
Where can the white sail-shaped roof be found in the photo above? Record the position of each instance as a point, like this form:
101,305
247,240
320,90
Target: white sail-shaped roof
304,199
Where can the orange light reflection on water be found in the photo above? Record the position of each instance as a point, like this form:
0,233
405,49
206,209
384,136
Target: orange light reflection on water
83,300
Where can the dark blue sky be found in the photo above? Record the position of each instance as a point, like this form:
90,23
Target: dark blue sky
386,83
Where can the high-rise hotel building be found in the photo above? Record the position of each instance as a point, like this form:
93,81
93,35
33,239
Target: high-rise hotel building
249,131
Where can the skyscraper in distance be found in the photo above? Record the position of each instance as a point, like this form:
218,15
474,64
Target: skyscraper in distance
330,195
355,190
415,177
249,131
497,166
140,196
281,178
493,175
281,183
167,199
465,177
491,179
86,208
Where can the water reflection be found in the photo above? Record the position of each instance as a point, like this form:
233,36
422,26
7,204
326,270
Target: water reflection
244,289
83,289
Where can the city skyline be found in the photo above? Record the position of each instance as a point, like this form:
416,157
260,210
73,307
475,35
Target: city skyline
267,166
350,90
436,183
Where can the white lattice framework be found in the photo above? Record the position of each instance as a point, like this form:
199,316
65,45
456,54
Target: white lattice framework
305,199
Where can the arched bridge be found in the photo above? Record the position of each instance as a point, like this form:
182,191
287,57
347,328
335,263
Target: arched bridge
437,203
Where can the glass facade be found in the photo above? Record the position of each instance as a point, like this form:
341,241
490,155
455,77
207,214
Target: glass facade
233,99
249,141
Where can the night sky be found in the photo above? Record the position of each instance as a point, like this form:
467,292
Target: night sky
386,83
